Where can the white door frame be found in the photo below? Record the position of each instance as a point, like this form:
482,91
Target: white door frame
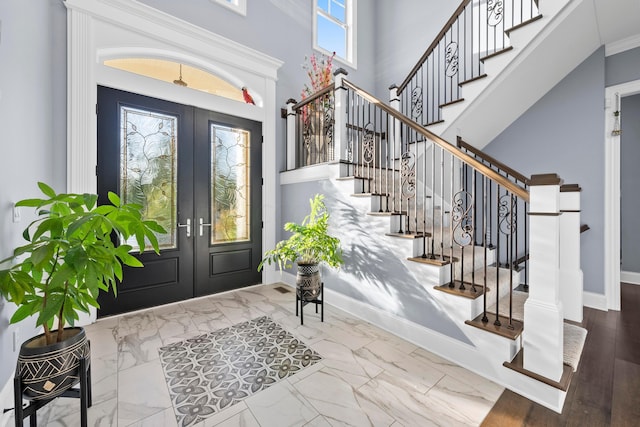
612,194
107,29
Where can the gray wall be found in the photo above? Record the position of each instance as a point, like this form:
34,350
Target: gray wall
33,121
282,29
374,272
402,37
629,179
622,67
563,133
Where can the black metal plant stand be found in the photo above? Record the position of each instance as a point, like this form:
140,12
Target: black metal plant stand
83,393
318,301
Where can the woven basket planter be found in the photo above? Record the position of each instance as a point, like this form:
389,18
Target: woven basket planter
47,371
308,281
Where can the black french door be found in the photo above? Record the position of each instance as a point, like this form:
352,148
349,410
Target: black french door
198,173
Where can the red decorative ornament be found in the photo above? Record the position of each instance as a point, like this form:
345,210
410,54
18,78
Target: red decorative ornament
247,97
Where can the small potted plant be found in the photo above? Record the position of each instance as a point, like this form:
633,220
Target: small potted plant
309,245
74,250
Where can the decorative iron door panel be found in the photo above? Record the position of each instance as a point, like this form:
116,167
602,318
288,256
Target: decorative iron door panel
228,186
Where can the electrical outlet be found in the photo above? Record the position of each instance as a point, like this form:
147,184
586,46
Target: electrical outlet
16,214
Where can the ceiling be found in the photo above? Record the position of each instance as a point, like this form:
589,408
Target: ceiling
617,19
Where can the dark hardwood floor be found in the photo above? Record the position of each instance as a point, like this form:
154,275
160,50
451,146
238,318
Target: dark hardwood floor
605,390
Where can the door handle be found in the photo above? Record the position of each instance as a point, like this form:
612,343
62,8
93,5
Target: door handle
187,226
202,226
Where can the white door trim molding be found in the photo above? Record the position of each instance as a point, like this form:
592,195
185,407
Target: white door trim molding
612,194
101,29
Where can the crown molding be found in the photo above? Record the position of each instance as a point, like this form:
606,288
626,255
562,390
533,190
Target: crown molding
142,18
622,45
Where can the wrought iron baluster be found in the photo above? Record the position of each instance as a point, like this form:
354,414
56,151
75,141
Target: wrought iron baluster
442,203
393,163
485,319
424,199
526,245
451,207
473,224
513,227
433,200
417,199
497,321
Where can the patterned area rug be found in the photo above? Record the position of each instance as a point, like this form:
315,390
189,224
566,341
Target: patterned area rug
211,372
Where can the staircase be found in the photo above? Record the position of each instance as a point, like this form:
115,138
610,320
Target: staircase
444,245
512,58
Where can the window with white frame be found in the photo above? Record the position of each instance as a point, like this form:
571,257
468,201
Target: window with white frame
238,6
334,25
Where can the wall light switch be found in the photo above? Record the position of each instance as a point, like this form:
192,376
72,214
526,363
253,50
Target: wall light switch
16,340
16,214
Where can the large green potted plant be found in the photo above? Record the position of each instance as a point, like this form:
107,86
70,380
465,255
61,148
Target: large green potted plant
309,245
74,249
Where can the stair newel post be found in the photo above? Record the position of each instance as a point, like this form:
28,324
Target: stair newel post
394,142
292,141
570,272
543,335
340,140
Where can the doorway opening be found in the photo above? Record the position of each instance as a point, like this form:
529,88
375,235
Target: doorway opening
196,172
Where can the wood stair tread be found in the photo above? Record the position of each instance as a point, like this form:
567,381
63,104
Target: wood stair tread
370,195
386,213
496,53
473,79
431,261
523,24
469,292
455,101
507,329
517,364
352,177
410,236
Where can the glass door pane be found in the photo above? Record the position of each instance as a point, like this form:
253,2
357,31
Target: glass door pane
230,185
148,168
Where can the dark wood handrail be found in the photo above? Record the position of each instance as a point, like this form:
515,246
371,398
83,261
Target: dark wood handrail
433,44
492,160
485,170
318,94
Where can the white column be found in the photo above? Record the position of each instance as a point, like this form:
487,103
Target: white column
82,148
570,273
81,104
543,318
291,134
394,135
340,141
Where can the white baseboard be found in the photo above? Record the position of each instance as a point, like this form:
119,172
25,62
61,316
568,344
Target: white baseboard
630,277
467,356
593,300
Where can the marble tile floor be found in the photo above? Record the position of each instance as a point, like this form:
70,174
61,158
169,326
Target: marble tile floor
367,376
